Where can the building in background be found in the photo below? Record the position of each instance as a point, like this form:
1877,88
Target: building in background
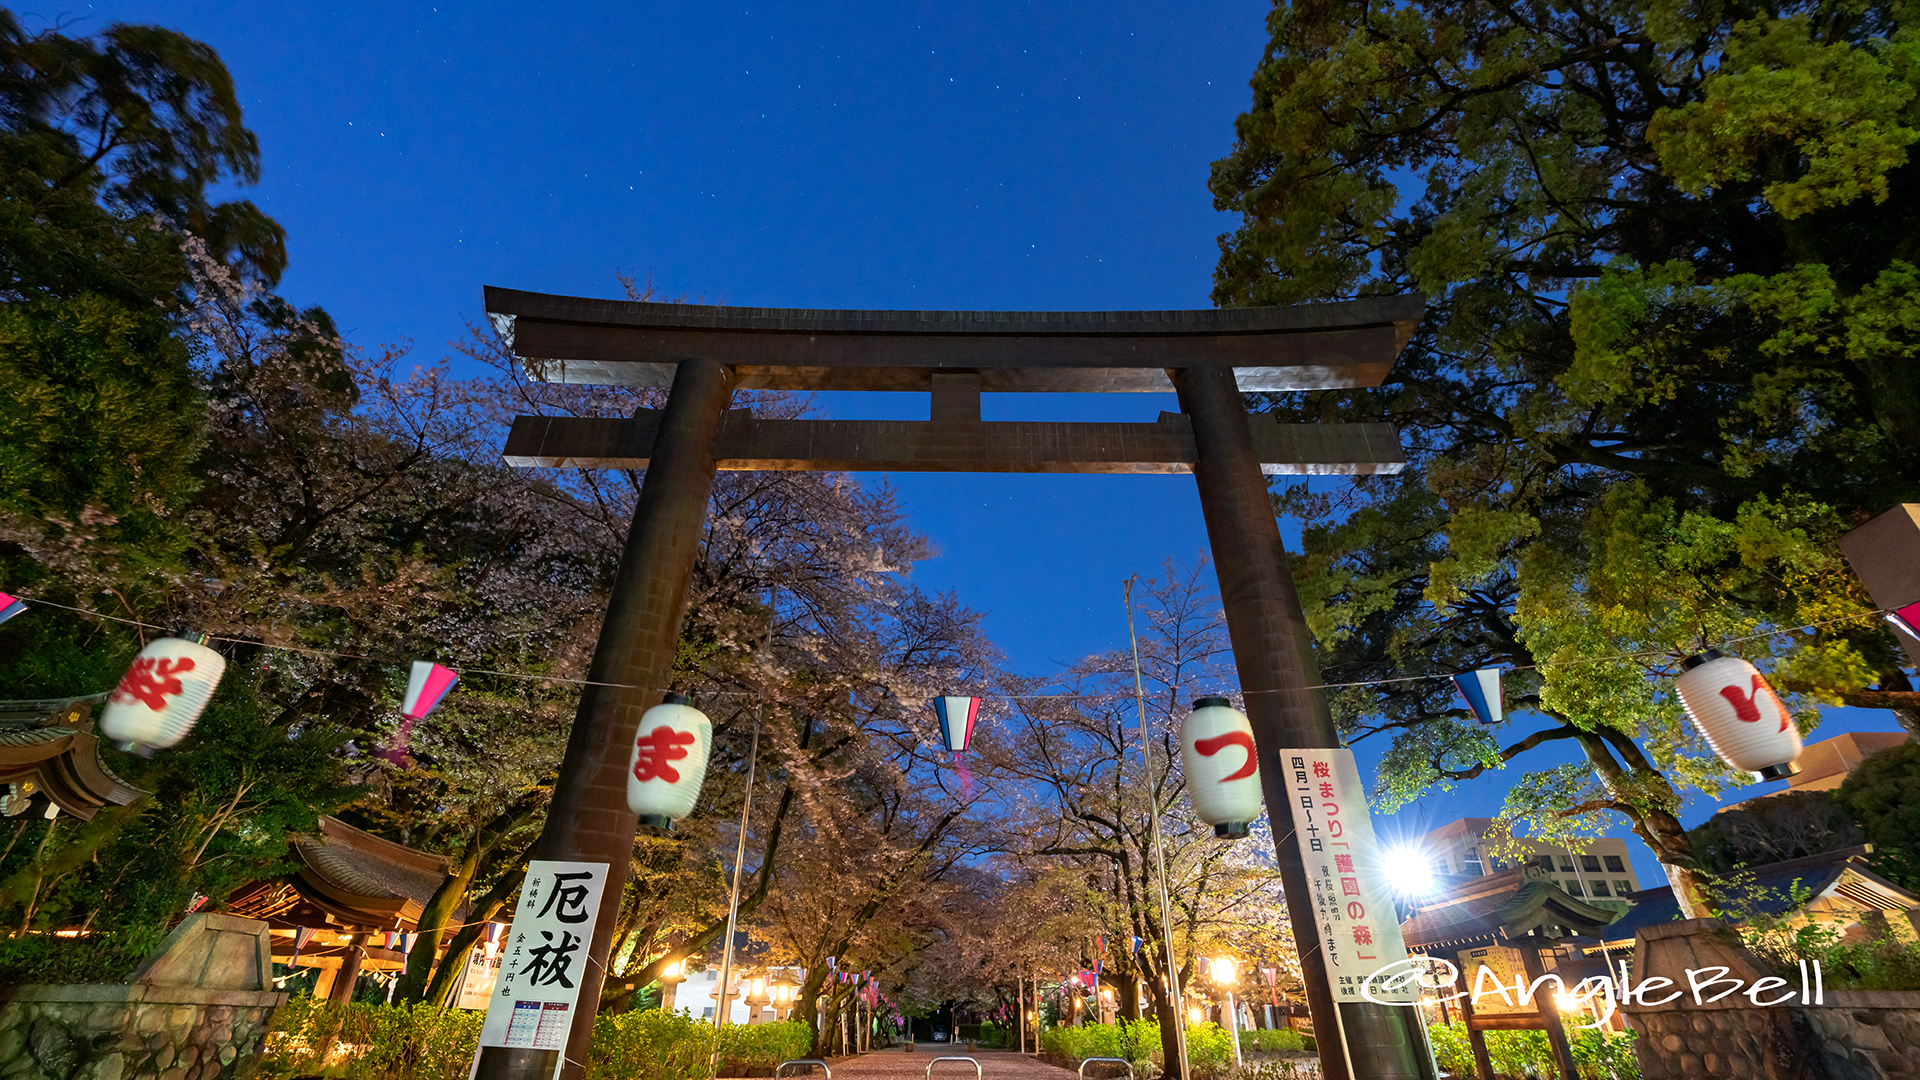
1597,871
1825,765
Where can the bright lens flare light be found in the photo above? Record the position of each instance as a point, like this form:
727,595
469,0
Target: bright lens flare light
1410,871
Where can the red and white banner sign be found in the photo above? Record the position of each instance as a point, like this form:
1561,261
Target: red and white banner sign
1352,905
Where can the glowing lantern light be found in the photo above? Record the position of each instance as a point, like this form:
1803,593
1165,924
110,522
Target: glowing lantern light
669,761
162,694
10,606
1739,714
1223,773
1482,690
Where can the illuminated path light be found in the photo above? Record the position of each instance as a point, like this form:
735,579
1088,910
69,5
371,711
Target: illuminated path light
1209,358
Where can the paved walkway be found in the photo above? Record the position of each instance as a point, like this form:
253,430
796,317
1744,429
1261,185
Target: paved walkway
897,1064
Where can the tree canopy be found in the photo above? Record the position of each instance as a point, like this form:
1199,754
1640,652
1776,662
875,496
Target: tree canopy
1668,358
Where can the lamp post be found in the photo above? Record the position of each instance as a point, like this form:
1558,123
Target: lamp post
1223,977
671,977
757,998
724,991
785,989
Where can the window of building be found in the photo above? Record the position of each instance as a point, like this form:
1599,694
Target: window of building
1472,863
1600,889
1544,862
1590,863
1566,864
1622,888
1440,865
1615,866
1572,886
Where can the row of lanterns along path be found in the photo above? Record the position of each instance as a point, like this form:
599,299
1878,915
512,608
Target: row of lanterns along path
169,683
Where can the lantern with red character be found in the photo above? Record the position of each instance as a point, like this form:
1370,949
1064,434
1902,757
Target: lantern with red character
1223,775
1739,714
669,761
162,694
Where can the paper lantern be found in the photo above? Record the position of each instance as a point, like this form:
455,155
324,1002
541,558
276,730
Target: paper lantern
162,694
1739,714
428,684
1223,774
957,716
669,761
10,606
1482,690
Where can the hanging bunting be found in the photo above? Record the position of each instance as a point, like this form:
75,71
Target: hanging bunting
957,717
1906,618
10,606
1482,691
426,686
162,694
301,936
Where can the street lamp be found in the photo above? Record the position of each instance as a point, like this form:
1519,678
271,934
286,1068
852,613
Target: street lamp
756,998
785,989
1223,977
671,977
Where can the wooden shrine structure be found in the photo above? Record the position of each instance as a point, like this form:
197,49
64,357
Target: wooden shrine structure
50,761
1505,921
1208,358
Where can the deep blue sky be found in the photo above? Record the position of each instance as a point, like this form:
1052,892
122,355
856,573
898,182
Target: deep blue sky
858,155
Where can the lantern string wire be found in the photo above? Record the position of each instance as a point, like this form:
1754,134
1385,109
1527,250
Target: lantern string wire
530,677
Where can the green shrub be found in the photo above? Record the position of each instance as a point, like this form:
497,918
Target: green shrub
100,958
761,1046
1272,1040
1599,1055
377,1041
404,1042
674,1046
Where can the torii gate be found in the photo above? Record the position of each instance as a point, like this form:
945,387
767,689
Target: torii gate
1207,357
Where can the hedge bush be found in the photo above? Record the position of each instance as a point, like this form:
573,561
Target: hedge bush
1272,1040
421,1042
1598,1055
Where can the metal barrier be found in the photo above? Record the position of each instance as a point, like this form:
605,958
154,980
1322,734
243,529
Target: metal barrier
778,1069
1116,1061
976,1065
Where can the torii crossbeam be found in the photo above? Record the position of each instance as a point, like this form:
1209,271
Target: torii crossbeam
1209,358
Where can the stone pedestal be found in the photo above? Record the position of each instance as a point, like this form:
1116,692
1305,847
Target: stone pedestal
198,1010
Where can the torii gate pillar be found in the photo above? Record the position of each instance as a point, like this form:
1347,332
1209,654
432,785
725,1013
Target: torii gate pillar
1272,653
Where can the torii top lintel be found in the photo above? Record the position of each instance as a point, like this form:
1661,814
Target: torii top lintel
636,343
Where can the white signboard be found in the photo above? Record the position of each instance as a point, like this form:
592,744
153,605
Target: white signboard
1352,906
543,957
476,985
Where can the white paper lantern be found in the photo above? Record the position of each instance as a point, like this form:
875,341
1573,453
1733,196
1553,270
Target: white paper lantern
1223,773
669,761
162,694
1739,714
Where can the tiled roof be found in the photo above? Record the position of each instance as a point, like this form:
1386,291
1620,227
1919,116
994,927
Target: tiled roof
1501,906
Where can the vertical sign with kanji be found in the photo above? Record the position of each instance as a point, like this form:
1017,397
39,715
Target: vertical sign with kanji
543,958
1352,908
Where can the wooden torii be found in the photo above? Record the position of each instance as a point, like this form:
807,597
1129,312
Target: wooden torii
1208,358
